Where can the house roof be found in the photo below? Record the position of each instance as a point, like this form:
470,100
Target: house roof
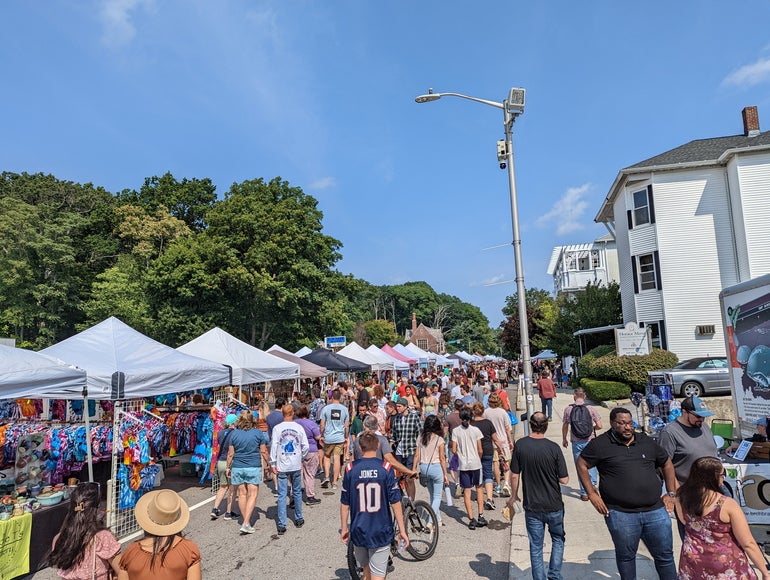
697,153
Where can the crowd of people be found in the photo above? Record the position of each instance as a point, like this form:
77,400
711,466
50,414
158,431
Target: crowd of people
454,432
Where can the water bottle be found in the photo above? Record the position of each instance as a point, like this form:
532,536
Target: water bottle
402,547
516,507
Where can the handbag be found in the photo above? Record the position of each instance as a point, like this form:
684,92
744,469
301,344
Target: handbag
424,481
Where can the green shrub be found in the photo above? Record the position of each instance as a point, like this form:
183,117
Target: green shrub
585,362
605,390
631,370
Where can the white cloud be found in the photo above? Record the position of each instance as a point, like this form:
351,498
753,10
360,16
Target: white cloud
567,212
117,20
750,74
323,183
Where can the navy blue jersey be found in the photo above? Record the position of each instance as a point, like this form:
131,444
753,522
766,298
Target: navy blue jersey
369,486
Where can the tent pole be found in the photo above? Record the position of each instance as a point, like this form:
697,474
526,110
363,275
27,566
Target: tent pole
89,457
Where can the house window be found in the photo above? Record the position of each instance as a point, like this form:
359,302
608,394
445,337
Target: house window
595,260
647,277
422,343
654,334
641,207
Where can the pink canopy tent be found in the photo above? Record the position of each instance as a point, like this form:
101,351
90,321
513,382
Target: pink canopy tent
397,355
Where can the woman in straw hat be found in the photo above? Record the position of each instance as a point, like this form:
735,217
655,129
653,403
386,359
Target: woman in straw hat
163,554
84,549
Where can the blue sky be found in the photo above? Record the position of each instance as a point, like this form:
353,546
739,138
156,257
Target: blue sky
322,93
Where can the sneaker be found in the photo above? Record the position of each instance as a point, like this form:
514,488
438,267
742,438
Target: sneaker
506,491
313,500
247,529
281,530
215,513
298,523
325,483
334,486
472,524
489,505
231,516
481,521
498,490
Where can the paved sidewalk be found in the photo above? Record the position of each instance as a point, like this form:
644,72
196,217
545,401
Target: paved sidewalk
588,550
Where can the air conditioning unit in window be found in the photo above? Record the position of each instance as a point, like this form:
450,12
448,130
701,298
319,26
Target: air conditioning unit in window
705,329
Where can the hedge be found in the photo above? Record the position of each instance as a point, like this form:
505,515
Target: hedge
605,390
630,370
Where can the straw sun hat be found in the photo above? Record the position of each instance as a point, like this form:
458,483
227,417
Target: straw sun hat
162,513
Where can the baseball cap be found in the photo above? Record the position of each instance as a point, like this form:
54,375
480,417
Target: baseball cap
231,418
402,401
696,406
761,421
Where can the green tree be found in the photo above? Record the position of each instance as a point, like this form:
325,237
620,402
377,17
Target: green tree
188,200
380,332
540,316
598,305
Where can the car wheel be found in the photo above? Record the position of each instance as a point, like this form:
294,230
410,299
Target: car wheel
692,389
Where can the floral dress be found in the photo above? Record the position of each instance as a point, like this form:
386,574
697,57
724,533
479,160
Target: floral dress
710,550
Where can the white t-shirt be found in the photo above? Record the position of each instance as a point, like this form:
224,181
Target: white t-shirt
501,421
467,450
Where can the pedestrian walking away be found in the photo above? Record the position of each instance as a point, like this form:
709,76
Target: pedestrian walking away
370,492
431,458
547,391
225,488
288,448
580,422
539,465
629,493
717,542
466,444
335,433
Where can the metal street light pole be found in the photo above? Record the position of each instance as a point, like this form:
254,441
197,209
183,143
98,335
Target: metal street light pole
512,107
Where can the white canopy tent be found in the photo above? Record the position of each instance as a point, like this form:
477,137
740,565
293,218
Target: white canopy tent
122,363
24,373
303,351
357,352
422,359
444,361
410,346
464,355
248,363
399,364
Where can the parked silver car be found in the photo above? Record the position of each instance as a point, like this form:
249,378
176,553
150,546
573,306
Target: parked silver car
695,377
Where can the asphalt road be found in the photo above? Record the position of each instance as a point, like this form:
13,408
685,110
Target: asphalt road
315,551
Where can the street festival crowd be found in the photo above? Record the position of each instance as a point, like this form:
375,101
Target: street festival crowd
452,429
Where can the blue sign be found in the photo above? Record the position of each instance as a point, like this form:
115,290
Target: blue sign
335,341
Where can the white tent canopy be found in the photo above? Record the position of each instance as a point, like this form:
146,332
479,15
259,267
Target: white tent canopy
122,363
410,346
248,363
24,373
303,351
357,352
446,362
399,364
421,358
307,370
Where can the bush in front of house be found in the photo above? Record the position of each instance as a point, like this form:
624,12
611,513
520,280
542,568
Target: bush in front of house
605,390
631,370
585,362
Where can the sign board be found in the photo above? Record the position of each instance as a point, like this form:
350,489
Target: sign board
750,486
335,342
632,340
746,317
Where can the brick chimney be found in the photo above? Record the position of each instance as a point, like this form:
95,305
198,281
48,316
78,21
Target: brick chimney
750,121
414,322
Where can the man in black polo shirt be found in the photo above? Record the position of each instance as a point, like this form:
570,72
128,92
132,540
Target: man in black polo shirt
629,493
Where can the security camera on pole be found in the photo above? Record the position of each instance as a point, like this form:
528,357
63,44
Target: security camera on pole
512,107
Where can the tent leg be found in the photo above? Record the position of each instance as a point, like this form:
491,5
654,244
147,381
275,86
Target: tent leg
89,457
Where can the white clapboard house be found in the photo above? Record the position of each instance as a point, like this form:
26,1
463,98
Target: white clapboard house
688,223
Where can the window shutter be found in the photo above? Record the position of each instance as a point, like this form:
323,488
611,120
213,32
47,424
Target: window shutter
636,279
663,341
658,277
630,220
651,204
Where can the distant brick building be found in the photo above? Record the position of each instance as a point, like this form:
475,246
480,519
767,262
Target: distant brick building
426,338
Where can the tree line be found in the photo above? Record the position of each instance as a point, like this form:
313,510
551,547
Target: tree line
173,259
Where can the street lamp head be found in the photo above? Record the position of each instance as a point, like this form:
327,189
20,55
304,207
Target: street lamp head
427,98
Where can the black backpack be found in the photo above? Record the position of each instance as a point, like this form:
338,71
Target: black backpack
581,422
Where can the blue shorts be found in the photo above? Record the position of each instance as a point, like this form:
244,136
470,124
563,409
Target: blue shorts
252,475
487,475
470,479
